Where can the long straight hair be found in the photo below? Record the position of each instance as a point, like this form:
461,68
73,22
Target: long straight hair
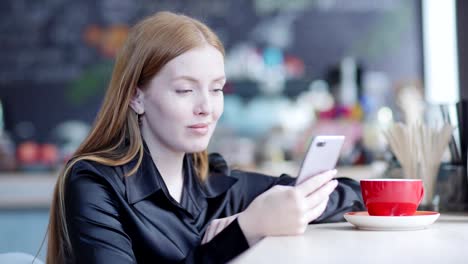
150,45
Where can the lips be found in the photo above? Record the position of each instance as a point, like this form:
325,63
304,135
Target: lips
200,125
199,129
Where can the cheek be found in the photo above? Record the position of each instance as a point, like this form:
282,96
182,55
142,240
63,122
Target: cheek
178,112
169,109
218,109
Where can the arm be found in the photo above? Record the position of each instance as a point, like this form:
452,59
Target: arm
287,210
98,235
345,198
226,245
251,184
328,203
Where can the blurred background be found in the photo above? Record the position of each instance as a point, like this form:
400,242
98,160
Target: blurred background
295,69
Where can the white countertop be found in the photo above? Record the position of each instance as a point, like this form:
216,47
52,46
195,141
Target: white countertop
445,241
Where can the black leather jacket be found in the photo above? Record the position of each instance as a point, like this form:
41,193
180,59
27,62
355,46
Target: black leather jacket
116,219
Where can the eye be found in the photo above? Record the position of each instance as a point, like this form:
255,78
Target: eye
183,87
184,91
218,88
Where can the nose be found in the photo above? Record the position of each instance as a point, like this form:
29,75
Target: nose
204,104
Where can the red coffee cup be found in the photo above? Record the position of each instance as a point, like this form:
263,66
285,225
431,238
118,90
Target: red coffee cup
392,197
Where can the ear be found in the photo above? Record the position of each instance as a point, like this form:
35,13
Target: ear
137,102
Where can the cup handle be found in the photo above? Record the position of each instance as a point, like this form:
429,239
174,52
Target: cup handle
422,195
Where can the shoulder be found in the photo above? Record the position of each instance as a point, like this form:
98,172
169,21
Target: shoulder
91,172
91,188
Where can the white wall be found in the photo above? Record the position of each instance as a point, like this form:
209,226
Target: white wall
440,51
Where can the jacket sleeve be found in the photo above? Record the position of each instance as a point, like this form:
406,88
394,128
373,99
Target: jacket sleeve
345,198
249,184
98,236
226,245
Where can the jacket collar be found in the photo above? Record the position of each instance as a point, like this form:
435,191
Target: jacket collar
147,179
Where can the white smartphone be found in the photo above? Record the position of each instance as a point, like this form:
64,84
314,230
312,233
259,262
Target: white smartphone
322,155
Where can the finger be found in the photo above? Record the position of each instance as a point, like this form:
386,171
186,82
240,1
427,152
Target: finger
313,183
316,212
321,194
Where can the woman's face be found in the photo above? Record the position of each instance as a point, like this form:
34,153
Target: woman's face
184,101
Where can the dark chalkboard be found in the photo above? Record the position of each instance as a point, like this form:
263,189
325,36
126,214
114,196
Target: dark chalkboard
56,55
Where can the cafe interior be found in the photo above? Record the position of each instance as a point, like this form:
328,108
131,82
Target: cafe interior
389,75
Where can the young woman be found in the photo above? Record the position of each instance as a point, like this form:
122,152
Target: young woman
142,189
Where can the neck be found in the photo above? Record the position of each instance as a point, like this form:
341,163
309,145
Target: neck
168,162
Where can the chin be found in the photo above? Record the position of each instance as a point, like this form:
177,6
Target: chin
195,150
197,147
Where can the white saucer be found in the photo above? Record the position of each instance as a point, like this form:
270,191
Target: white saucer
420,220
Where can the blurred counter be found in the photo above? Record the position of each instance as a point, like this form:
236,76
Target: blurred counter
374,170
25,191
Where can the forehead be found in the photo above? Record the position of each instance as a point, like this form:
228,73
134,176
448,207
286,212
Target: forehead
201,62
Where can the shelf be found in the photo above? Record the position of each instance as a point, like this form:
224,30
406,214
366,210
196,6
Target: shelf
26,191
33,191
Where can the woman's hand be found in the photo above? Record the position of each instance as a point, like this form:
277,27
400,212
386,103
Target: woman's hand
217,226
287,210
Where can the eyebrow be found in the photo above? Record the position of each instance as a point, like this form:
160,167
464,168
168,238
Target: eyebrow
192,79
